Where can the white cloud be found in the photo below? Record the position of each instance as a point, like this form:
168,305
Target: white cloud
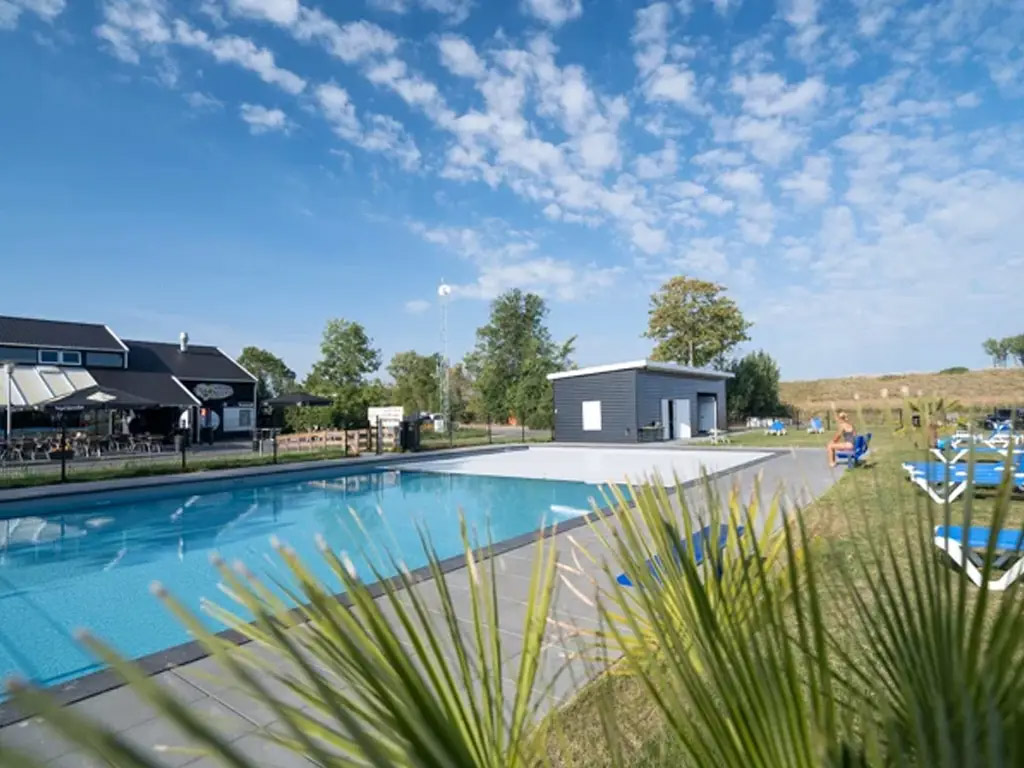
714,157
659,164
202,102
459,57
968,100
672,83
715,205
768,95
381,133
742,181
11,10
599,151
650,36
417,306
261,119
241,51
455,11
129,25
811,185
647,239
277,11
553,12
768,140
354,42
704,257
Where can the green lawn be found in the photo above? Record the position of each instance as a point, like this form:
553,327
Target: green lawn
873,501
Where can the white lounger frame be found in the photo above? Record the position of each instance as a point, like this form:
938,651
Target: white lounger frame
971,563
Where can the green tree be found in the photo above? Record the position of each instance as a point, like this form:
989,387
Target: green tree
755,389
417,383
997,350
347,359
465,406
273,377
1014,347
514,353
693,323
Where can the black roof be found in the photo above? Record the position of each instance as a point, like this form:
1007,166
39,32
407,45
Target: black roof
31,332
161,388
198,363
96,397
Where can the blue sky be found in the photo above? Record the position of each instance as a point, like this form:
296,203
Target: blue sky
852,172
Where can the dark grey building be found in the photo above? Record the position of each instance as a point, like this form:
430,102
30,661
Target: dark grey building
639,401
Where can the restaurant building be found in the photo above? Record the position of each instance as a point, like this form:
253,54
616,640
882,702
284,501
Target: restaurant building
192,385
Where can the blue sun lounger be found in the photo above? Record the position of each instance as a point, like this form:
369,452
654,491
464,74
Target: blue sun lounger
947,482
967,548
777,428
815,428
698,541
948,453
861,446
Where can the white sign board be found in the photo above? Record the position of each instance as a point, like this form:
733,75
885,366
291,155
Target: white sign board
389,415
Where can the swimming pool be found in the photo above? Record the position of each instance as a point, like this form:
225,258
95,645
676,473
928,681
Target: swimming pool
88,562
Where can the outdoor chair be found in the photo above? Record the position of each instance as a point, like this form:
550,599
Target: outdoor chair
967,549
861,447
696,544
815,427
776,429
947,482
947,454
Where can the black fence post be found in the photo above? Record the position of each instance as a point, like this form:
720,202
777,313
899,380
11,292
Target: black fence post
344,436
273,439
522,431
63,450
184,466
451,430
490,437
378,436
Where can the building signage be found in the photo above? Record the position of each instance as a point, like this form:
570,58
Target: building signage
213,391
389,415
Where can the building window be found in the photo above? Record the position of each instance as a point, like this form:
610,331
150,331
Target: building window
103,360
59,357
244,417
17,355
591,415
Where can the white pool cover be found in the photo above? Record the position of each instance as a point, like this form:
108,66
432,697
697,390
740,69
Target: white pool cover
592,465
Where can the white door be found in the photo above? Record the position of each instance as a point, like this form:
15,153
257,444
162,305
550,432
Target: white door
666,423
707,414
681,415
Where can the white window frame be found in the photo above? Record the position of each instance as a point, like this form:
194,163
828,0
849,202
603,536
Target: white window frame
591,411
62,356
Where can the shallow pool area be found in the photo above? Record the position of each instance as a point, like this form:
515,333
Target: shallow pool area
88,560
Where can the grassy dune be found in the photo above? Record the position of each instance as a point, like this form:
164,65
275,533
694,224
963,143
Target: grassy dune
981,389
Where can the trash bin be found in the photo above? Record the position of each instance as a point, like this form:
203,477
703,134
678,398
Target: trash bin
409,435
915,420
180,441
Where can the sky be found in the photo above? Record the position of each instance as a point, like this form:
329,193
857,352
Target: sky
852,172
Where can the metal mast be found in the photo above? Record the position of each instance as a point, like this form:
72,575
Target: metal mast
443,292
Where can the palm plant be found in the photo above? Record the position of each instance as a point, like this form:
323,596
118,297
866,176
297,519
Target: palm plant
764,651
403,680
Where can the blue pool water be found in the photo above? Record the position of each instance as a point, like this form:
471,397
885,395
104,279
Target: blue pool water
90,563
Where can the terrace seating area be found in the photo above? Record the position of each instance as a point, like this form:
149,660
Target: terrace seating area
47,447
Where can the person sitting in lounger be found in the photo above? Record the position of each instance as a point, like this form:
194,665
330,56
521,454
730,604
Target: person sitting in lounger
842,440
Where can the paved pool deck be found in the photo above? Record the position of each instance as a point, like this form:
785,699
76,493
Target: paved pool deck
800,475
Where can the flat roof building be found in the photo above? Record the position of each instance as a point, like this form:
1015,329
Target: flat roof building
637,401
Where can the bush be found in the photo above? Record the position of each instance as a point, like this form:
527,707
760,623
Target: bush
956,369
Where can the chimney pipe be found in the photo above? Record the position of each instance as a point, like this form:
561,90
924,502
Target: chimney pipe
183,342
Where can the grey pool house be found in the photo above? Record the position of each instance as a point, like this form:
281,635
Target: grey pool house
637,401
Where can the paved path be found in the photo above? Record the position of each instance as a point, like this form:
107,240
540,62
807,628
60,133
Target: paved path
800,475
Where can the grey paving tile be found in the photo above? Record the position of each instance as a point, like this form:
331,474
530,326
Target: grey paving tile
118,710
35,738
267,754
77,760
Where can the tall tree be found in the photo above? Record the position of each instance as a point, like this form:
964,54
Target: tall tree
514,353
694,323
1014,347
755,389
997,350
417,383
347,359
273,377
